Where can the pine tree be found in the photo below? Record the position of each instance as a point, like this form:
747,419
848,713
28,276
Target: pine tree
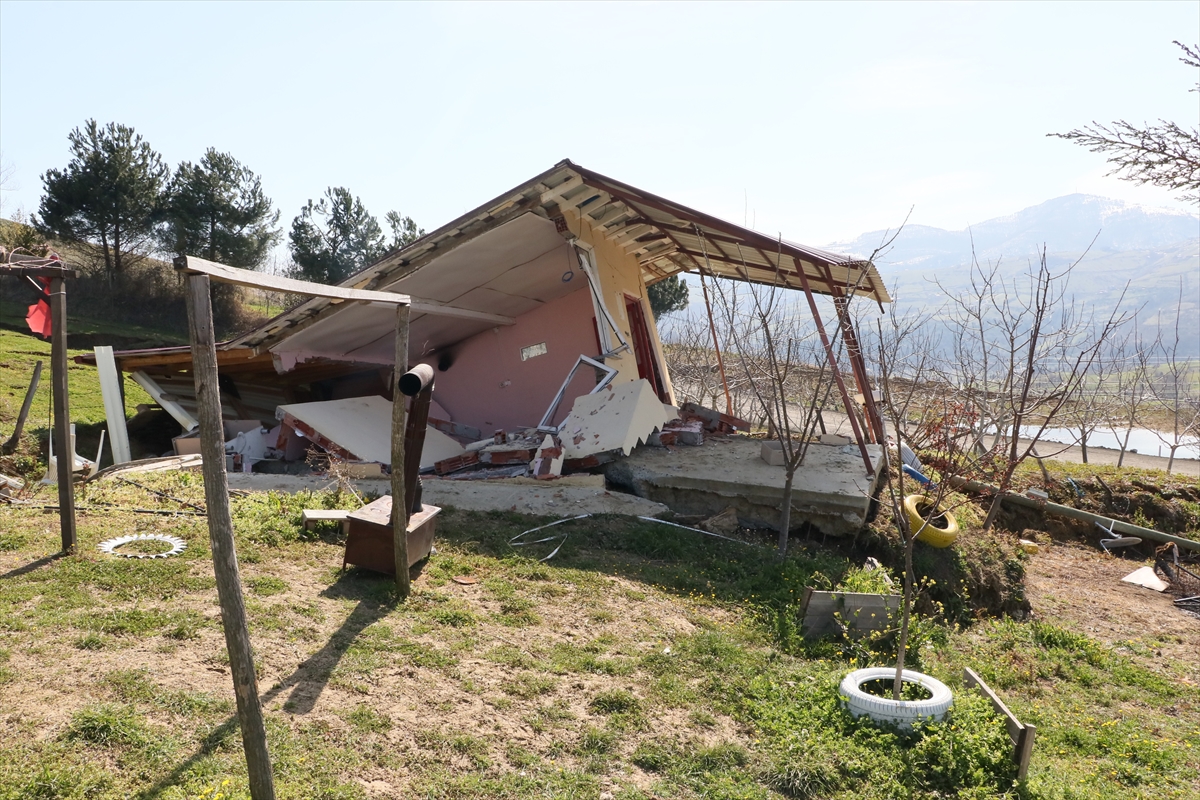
108,195
669,294
335,237
217,210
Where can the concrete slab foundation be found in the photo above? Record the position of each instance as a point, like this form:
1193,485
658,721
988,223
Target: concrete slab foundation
831,490
566,497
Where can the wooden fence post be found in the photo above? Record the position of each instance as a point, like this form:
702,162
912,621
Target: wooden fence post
399,423
62,413
220,531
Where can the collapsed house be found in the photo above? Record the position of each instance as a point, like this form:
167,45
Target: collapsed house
532,309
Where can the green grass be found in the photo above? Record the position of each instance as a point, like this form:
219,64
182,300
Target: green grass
18,355
650,664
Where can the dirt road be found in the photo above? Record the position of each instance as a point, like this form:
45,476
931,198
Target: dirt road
1053,451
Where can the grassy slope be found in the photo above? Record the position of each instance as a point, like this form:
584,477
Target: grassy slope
641,662
18,354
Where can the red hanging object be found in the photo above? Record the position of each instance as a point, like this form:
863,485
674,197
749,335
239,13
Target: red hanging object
39,318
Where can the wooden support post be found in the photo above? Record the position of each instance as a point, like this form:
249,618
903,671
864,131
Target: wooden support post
62,412
220,532
399,420
859,364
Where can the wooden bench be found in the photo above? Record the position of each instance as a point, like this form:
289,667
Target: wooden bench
311,516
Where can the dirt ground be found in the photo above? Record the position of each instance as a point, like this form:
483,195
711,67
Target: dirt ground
1075,585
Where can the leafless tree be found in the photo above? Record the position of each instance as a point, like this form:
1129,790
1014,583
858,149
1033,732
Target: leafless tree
1096,400
1129,385
778,357
1166,154
905,352
1174,388
1025,347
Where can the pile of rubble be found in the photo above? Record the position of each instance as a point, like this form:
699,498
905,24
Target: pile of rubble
600,429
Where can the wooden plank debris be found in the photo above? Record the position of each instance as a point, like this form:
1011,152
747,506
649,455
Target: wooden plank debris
1021,734
311,516
114,404
10,446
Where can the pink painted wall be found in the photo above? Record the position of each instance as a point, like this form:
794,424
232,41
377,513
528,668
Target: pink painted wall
488,386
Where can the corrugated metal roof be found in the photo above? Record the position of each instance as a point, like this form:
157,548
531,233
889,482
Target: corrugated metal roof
665,237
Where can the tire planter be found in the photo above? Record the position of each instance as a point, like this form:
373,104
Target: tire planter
901,713
931,533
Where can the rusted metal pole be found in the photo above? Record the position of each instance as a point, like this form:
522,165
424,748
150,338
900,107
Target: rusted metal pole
417,383
837,374
62,412
859,364
399,424
220,533
716,345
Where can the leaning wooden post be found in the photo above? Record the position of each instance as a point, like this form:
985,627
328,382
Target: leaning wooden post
62,413
220,532
399,423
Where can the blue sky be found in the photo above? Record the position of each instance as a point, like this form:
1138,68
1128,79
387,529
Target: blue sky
820,121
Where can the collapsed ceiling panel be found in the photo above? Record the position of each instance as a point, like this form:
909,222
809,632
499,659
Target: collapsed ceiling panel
508,271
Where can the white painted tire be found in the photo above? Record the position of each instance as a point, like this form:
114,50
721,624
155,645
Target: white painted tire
902,713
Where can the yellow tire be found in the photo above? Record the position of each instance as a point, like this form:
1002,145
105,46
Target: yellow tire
942,534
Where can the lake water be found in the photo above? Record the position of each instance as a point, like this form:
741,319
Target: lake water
1143,440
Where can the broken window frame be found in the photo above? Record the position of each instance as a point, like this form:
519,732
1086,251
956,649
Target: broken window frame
587,263
610,374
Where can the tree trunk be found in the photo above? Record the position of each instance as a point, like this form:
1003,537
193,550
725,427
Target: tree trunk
1125,443
902,645
993,511
117,265
785,513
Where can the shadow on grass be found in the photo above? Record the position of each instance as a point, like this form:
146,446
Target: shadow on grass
376,597
687,563
33,566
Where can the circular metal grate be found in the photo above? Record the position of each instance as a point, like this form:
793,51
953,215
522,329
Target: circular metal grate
110,546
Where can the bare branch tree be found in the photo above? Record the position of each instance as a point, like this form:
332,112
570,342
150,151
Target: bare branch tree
1166,154
1025,348
1175,390
1131,355
905,352
777,356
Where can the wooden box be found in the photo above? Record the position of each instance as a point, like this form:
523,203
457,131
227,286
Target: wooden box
369,542
860,613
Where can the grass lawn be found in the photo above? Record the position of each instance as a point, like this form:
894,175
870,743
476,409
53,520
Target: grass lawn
641,662
18,354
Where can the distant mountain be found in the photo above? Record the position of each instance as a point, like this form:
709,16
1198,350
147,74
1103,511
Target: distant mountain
1156,252
1064,225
